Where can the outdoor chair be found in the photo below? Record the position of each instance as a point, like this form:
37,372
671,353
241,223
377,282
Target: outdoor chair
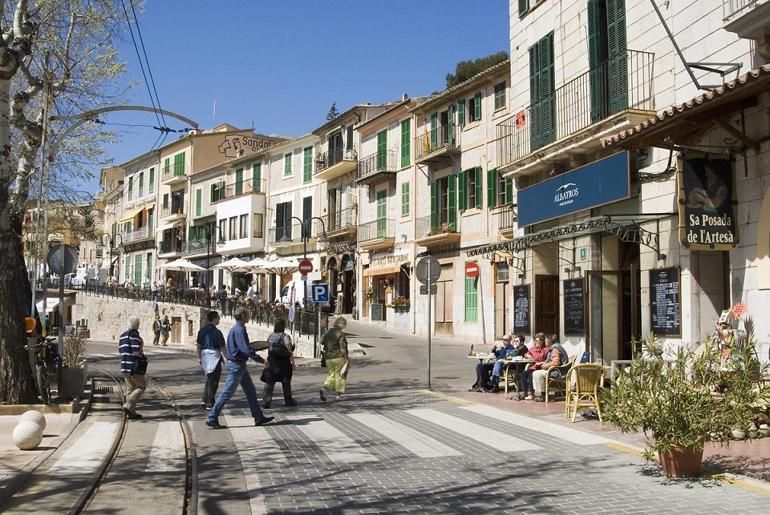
511,374
554,383
586,379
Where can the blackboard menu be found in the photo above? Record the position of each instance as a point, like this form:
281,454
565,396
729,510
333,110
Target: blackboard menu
574,307
521,309
665,308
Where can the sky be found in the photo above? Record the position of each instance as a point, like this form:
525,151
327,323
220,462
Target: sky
277,66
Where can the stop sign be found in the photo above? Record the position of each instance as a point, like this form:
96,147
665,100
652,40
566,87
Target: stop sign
472,269
305,266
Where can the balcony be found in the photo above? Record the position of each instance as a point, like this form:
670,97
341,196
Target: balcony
341,224
245,187
288,240
430,234
749,19
175,173
437,145
195,247
172,212
170,247
335,163
378,167
560,129
144,233
506,222
377,235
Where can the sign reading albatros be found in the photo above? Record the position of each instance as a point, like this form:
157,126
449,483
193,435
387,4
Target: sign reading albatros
595,184
706,199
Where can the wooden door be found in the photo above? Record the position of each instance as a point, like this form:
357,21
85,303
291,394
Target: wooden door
547,304
176,330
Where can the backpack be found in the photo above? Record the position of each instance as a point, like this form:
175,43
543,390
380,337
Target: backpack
277,348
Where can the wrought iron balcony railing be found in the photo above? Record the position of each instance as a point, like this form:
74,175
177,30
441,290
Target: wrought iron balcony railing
333,157
376,229
440,138
378,162
339,219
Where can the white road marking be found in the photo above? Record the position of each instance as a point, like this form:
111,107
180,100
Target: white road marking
334,443
88,452
168,451
411,439
497,439
543,426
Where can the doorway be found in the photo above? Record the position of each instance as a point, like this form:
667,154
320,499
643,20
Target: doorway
503,298
547,304
444,301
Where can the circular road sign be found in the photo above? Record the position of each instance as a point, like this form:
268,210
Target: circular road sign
421,270
62,259
305,266
472,269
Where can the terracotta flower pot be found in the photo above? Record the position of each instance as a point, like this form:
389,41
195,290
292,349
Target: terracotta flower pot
681,462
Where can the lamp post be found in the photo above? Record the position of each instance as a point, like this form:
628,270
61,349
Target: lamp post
305,230
209,228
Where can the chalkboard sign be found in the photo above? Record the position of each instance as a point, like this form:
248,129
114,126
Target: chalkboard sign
376,312
574,307
521,309
665,307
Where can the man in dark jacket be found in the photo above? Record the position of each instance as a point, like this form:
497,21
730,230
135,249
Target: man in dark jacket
131,347
210,342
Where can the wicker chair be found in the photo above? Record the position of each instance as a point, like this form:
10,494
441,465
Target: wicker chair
558,384
587,379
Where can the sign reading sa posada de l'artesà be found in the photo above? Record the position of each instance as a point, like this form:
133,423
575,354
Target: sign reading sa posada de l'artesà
706,200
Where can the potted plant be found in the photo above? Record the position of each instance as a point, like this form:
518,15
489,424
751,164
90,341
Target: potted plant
72,378
683,403
401,304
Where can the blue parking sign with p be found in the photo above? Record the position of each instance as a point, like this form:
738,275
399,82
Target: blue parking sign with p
320,292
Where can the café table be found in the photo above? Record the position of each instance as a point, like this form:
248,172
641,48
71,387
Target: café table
518,367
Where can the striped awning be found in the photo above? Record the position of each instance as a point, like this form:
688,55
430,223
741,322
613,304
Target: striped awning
392,268
131,214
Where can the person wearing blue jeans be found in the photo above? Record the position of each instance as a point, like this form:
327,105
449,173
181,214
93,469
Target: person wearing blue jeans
238,354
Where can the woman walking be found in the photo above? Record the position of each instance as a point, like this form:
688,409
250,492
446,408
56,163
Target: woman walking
280,365
335,353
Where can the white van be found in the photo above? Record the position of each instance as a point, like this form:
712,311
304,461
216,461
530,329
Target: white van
295,287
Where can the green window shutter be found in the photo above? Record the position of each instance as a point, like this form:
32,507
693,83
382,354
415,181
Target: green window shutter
286,164
617,69
179,164
404,199
166,166
307,163
152,178
406,141
452,202
597,57
239,181
477,105
138,269
523,8
508,191
141,182
130,186
491,188
479,187
382,213
461,195
471,299
433,205
382,150
150,214
256,177
198,201
542,93
433,131
461,112
213,197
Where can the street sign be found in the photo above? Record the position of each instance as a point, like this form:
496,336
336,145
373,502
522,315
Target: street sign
320,292
424,289
62,260
421,270
305,266
472,269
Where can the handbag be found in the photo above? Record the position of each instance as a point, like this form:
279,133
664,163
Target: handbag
140,365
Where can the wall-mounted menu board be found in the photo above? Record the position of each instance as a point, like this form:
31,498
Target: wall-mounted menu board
521,314
665,306
574,307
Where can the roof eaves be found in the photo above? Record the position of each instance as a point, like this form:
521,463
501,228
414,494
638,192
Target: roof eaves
449,91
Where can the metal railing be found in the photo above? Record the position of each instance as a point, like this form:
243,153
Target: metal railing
505,218
378,162
339,219
620,83
173,209
426,226
197,246
138,234
333,157
740,7
292,233
443,137
170,245
376,229
245,187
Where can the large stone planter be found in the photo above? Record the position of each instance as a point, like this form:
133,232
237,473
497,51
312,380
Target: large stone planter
72,382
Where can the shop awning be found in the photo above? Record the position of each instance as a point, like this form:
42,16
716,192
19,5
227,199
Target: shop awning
131,214
392,268
50,305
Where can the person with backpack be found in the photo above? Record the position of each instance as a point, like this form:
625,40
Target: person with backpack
156,329
335,357
280,365
133,365
165,330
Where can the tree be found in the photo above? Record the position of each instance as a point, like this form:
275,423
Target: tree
65,48
332,114
464,70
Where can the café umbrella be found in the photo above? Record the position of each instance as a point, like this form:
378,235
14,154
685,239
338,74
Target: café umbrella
273,266
182,265
231,265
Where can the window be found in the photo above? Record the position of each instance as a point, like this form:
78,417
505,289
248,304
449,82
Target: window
402,284
130,187
404,199
141,184
287,164
239,181
501,272
500,96
443,203
166,166
150,217
151,185
607,57
307,164
474,108
138,269
382,213
382,150
523,8
471,299
406,141
179,164
257,225
150,269
198,201
469,194
542,91
499,189
256,177
282,227
244,226
232,234
461,113
307,211
217,192
223,229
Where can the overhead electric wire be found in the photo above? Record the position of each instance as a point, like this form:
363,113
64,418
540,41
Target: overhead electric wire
147,61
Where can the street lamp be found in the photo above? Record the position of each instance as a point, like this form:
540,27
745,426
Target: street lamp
208,229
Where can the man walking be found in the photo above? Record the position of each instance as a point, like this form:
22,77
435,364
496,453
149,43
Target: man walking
210,344
238,354
156,330
131,347
165,330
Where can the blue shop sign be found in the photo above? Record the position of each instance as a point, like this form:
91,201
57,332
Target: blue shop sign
601,182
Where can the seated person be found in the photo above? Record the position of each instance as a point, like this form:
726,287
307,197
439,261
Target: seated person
484,369
508,351
537,353
556,357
